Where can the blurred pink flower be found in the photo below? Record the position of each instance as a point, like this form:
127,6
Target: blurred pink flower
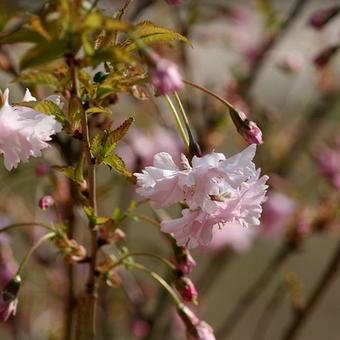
290,62
42,169
23,131
217,191
164,75
140,328
328,162
138,149
277,212
234,236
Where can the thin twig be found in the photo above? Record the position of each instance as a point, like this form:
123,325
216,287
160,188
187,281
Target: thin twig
253,292
270,44
312,303
269,312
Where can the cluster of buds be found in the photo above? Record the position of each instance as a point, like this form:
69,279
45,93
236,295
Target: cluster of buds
108,273
196,329
71,249
8,299
109,235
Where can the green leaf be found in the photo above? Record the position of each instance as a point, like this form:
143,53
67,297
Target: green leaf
113,55
50,108
120,132
150,33
39,77
72,173
26,35
116,163
43,53
98,109
93,218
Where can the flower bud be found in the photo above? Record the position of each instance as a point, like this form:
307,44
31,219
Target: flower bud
185,263
8,299
187,289
251,132
42,169
196,328
164,75
45,202
323,58
321,17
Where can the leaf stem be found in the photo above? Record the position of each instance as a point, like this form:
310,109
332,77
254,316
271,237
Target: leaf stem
33,249
28,224
178,121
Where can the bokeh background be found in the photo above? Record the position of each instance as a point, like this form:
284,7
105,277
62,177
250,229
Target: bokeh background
291,95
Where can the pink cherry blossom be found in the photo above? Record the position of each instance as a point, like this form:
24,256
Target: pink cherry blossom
24,132
216,190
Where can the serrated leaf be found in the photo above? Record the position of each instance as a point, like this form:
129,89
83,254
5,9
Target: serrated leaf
24,35
71,173
113,55
98,109
39,77
43,53
50,108
37,26
120,132
150,33
47,107
93,218
116,163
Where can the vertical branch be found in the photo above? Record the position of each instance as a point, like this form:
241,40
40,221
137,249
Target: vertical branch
87,310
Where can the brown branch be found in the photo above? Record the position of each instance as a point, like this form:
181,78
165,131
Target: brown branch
253,292
312,303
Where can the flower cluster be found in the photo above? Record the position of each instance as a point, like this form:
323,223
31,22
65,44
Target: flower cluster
216,190
23,131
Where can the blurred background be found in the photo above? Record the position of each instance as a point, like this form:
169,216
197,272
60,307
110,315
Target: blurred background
278,62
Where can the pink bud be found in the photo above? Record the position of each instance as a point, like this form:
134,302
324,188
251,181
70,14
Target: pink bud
324,57
186,264
174,2
8,299
8,307
42,169
164,76
140,328
187,289
45,202
196,328
321,17
252,133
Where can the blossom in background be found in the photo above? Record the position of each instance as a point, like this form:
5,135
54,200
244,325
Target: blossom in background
174,2
277,213
24,132
216,190
164,75
290,61
234,237
46,202
328,163
138,149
